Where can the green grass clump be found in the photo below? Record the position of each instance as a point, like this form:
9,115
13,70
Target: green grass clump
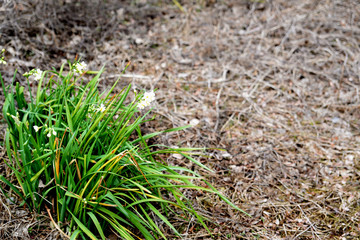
79,155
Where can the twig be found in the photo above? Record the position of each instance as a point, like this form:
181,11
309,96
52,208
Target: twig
56,226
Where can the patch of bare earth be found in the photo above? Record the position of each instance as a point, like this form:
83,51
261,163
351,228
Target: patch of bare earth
274,83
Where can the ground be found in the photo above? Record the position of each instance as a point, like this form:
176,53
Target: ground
274,83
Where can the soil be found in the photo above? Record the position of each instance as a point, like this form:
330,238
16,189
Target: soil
274,83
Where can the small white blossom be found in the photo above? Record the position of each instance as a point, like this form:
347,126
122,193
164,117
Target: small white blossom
50,131
37,74
141,105
37,128
80,67
146,100
102,108
135,90
149,96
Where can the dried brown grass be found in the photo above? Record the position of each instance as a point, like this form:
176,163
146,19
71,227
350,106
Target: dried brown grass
275,83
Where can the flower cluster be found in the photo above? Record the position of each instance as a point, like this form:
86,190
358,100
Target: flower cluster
102,108
36,73
146,100
80,67
50,131
2,61
93,109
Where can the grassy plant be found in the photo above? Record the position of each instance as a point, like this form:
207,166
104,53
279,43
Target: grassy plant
80,155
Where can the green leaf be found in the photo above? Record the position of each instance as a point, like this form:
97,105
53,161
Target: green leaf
37,175
75,234
225,199
97,224
133,218
163,218
11,186
68,116
82,227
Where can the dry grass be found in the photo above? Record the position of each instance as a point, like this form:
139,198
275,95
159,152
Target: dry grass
276,84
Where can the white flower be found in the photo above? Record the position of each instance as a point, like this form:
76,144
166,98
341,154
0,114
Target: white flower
36,128
149,96
50,131
37,74
146,100
102,108
141,105
80,67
